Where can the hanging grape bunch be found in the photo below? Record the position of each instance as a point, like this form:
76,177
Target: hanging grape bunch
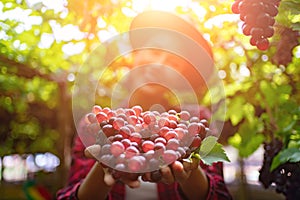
137,141
285,178
258,18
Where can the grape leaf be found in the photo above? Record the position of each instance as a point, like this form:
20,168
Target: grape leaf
235,110
287,155
211,151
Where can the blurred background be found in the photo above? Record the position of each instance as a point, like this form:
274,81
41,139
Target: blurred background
43,43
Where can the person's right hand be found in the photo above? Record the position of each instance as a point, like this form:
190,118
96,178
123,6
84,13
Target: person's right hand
111,175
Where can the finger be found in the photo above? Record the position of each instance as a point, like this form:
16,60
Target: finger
187,165
134,184
179,172
92,151
146,176
132,176
195,163
109,180
117,174
167,176
130,183
156,176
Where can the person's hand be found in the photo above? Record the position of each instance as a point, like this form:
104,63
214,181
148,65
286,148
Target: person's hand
178,171
112,175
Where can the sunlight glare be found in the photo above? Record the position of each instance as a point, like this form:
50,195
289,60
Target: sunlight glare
222,74
165,5
73,48
56,5
46,41
297,52
128,12
244,71
265,57
220,19
198,10
239,50
139,5
101,22
67,32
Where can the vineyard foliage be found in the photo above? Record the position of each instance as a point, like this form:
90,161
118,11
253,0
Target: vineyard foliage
44,43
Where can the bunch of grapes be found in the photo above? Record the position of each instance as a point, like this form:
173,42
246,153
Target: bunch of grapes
287,180
137,141
286,177
271,150
258,18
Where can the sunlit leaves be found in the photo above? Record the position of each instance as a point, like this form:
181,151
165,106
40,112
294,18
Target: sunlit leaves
248,138
235,110
289,13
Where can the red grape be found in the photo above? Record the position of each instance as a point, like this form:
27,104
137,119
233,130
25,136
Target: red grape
193,129
196,142
170,134
101,116
169,156
126,142
135,137
96,109
108,130
172,144
117,148
138,110
125,131
118,123
149,118
135,163
262,44
160,139
131,151
147,146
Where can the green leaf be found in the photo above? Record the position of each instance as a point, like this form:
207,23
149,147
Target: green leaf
294,144
248,147
269,93
287,155
235,110
289,127
248,138
211,151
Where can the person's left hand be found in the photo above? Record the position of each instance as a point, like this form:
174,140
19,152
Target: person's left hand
111,175
178,171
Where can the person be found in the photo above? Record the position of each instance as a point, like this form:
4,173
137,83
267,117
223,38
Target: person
89,179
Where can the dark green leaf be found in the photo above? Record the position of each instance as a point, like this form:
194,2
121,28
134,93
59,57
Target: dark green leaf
286,155
211,151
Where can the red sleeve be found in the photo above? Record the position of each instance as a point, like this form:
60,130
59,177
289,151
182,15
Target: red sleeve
217,187
80,167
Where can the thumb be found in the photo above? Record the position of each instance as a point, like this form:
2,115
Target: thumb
92,151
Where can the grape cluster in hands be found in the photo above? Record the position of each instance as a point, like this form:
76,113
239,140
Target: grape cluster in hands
137,141
258,18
